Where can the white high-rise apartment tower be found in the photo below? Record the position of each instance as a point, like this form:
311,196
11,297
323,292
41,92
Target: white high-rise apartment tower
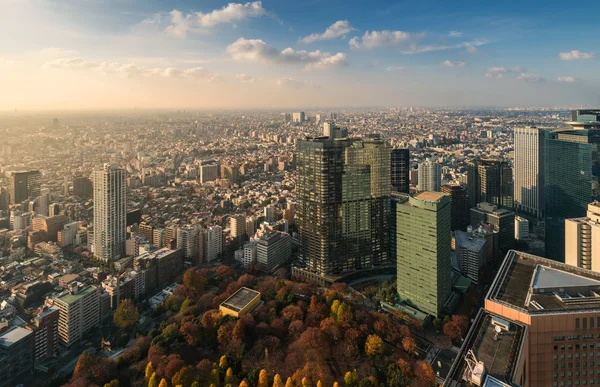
529,170
430,176
110,212
582,239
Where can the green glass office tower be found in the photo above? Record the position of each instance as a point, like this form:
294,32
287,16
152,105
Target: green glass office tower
423,251
342,212
568,190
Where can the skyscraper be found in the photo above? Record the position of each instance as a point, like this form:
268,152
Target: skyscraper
568,191
423,251
24,185
529,171
342,208
582,239
400,169
430,176
459,209
491,181
109,212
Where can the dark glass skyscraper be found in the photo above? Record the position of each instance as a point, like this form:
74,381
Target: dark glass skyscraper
490,181
24,185
568,175
400,170
343,206
459,206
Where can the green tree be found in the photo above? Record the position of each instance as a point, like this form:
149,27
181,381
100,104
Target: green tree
126,314
395,376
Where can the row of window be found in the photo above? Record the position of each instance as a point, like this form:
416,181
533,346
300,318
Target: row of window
577,365
576,337
570,355
577,346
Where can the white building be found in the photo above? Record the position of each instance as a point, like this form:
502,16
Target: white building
582,239
187,241
430,176
214,243
110,211
237,225
521,228
208,172
249,254
298,117
79,312
68,235
529,170
273,250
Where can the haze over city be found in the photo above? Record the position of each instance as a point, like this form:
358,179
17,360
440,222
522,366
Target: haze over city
124,54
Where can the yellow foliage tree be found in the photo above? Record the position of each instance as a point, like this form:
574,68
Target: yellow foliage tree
319,384
263,379
229,376
149,370
153,381
223,362
289,382
163,383
277,382
374,345
244,383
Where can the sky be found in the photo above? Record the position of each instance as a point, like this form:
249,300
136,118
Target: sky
303,54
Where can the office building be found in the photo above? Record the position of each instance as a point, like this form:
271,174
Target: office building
298,117
214,243
501,219
529,164
230,172
471,253
79,312
50,226
209,171
250,226
42,202
521,228
237,227
430,176
423,239
491,181
68,235
400,169
558,309
249,257
147,231
273,250
342,209
109,213
459,206
24,185
582,239
17,347
333,131
269,213
82,187
568,190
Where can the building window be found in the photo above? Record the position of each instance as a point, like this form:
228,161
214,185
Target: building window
577,323
591,322
585,323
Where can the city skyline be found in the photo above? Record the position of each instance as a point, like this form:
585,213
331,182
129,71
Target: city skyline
213,55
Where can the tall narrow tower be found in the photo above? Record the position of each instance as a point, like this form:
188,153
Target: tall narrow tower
529,171
109,212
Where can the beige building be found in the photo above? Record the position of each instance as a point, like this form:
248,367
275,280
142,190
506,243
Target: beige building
79,312
582,239
546,330
241,302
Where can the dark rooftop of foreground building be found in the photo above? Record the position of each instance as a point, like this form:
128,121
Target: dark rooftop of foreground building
537,285
490,354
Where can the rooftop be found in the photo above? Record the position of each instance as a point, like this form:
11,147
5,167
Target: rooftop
430,196
536,285
492,344
13,336
70,298
238,300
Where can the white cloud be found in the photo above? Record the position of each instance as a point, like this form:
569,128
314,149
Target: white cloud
449,63
530,78
292,83
395,68
441,47
576,54
566,79
499,72
338,29
181,23
256,50
244,78
130,70
455,34
338,60
471,49
372,39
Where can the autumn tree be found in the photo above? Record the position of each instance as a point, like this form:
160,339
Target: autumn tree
351,378
263,379
289,382
277,382
229,378
396,377
424,375
184,377
409,345
149,370
244,383
193,280
153,381
126,314
163,383
374,346
456,327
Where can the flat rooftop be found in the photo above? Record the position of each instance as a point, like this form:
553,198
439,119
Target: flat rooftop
238,300
69,298
536,285
499,351
13,336
430,196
